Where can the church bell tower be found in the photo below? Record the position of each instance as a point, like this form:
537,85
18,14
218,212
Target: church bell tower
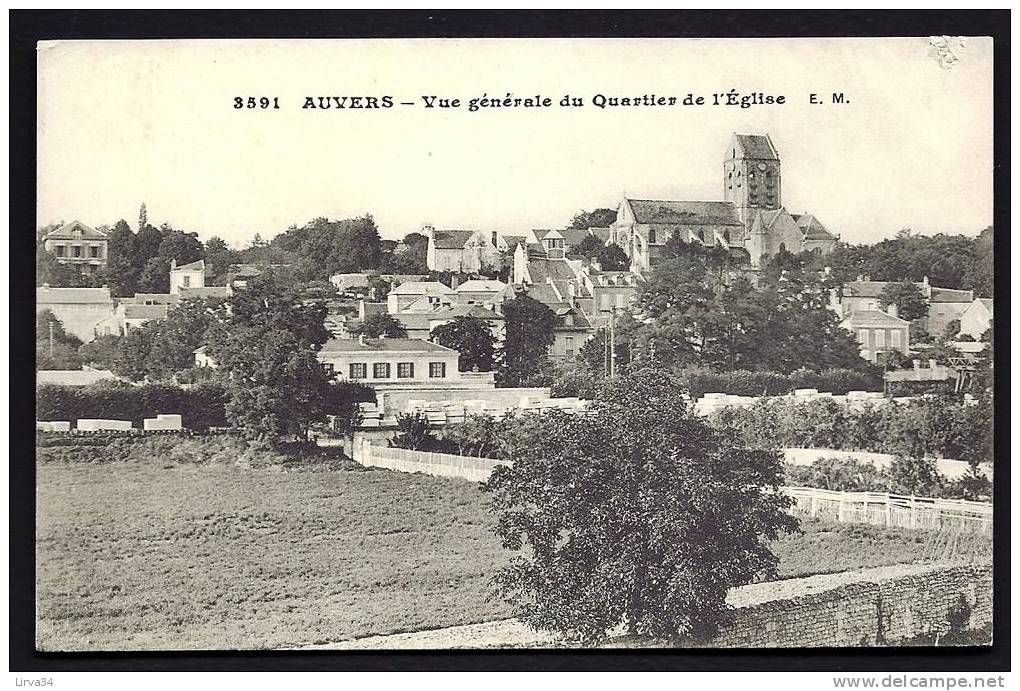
751,179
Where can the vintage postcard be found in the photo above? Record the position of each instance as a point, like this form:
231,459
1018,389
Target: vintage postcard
417,344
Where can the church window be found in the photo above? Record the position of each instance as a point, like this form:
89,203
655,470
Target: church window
651,236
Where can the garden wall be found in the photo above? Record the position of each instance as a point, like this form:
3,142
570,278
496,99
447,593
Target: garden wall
873,607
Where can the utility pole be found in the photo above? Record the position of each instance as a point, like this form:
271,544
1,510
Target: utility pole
612,344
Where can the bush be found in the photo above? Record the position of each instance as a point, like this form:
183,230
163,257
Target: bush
937,426
174,449
751,383
201,406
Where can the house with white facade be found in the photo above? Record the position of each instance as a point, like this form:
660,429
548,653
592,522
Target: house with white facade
461,251
399,364
977,318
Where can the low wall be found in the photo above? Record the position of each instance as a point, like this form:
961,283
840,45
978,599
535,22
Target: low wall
392,402
874,607
884,606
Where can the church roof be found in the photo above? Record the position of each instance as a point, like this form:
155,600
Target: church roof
757,146
812,227
669,212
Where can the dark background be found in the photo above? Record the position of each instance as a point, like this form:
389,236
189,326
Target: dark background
27,27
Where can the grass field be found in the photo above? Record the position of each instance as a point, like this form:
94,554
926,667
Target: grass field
134,555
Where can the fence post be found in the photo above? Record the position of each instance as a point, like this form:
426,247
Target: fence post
888,510
913,512
814,506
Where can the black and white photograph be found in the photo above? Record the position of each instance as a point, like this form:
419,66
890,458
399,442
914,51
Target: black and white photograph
514,344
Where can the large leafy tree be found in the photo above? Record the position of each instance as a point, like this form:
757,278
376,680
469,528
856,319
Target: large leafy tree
695,311
908,298
54,347
529,333
122,271
637,513
599,218
472,338
266,348
381,324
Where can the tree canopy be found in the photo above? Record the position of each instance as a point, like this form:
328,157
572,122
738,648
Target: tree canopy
910,302
472,338
637,513
381,324
599,218
529,333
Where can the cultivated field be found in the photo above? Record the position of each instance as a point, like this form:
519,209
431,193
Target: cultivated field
137,555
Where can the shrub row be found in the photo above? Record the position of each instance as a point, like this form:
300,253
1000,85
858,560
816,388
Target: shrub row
751,383
198,449
914,476
201,406
939,426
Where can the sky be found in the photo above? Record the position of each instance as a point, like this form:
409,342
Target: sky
126,122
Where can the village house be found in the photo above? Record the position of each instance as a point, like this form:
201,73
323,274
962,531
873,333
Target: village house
977,318
581,296
79,245
461,251
878,332
750,222
190,275
395,363
78,309
483,292
130,316
421,324
421,296
944,304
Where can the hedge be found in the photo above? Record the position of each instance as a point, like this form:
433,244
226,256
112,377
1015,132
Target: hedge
201,406
751,383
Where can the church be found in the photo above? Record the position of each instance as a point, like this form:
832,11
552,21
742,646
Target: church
750,222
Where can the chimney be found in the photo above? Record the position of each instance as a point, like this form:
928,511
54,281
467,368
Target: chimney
892,310
173,264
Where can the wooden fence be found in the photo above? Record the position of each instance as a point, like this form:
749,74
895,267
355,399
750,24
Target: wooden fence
441,464
892,510
876,508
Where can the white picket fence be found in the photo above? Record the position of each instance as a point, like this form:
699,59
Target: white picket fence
875,508
441,464
892,510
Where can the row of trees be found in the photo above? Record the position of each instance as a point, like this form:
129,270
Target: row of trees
695,310
949,261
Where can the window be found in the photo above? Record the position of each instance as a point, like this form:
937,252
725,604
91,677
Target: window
880,338
328,368
381,370
651,236
569,346
76,251
437,370
405,370
359,370
896,338
94,251
61,250
187,281
862,336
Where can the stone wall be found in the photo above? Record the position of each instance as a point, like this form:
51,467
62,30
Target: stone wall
874,607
